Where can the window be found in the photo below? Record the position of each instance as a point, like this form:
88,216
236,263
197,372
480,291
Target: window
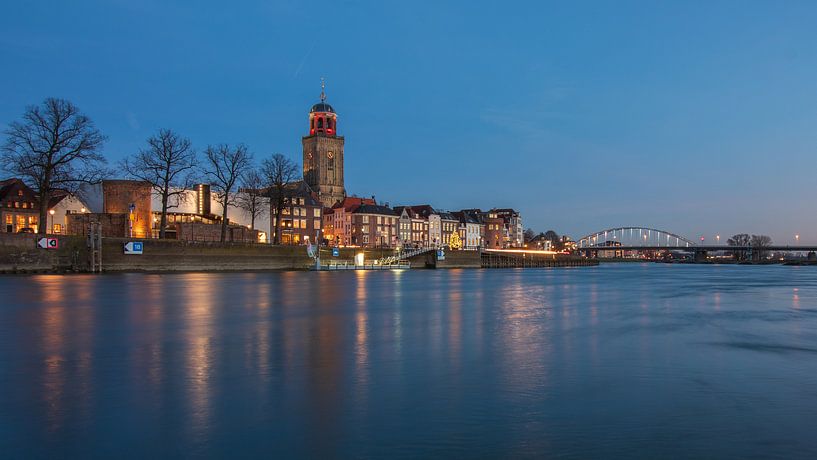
9,219
303,223
320,123
379,220
317,212
19,193
365,219
25,205
316,224
16,204
296,211
57,228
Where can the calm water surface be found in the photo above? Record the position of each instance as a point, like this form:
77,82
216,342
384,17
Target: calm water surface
614,361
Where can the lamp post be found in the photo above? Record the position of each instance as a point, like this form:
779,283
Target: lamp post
51,212
797,239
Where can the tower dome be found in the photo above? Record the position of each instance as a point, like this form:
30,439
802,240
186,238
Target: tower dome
322,107
322,117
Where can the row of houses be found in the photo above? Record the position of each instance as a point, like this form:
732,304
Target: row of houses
363,222
130,208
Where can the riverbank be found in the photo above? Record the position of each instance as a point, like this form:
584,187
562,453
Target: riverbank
19,253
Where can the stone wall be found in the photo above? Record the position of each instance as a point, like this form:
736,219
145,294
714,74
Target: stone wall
20,253
113,225
197,231
460,259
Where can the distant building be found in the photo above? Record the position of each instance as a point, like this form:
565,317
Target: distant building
470,230
374,226
301,218
18,206
448,225
414,225
361,222
514,231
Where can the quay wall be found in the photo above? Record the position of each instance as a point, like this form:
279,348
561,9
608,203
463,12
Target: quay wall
19,254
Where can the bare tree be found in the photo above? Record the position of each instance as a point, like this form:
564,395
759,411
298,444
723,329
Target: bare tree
279,172
54,147
529,235
225,166
759,242
168,164
741,239
252,196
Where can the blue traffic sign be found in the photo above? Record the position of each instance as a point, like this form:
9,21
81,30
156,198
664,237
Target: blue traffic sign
335,252
133,247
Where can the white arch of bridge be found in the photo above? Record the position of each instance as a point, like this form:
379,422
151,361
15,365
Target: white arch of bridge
650,237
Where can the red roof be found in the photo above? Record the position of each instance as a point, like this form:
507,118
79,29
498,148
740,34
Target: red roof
350,203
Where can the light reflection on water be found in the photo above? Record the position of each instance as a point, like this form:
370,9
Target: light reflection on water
614,361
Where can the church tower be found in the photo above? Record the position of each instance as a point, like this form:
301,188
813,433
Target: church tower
323,153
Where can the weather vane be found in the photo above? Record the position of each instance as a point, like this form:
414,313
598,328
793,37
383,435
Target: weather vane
323,86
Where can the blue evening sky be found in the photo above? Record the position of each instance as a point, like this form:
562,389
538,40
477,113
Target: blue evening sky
699,117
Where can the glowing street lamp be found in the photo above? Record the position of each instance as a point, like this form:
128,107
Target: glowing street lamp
797,238
718,239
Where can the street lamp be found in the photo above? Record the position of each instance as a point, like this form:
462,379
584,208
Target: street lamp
797,238
51,211
718,238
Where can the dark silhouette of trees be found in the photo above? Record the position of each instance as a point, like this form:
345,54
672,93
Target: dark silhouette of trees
168,164
225,166
529,235
755,242
54,147
279,172
759,242
741,239
252,196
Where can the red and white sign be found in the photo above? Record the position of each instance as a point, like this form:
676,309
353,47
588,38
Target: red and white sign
49,243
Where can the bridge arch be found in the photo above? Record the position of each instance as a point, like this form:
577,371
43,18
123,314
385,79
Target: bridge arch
633,236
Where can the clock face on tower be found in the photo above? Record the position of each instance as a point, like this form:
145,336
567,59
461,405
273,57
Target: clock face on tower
330,155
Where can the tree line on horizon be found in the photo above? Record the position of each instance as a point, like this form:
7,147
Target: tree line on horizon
55,147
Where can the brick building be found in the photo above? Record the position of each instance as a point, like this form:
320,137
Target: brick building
361,222
301,218
131,198
18,207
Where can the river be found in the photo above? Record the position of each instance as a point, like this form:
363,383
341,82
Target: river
615,361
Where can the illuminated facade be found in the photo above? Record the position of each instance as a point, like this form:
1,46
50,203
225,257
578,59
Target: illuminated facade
323,154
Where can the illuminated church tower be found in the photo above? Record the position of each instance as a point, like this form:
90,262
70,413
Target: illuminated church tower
323,153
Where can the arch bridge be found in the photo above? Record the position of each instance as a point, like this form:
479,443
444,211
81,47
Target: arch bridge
633,237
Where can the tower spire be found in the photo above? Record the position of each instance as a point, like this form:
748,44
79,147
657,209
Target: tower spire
323,86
